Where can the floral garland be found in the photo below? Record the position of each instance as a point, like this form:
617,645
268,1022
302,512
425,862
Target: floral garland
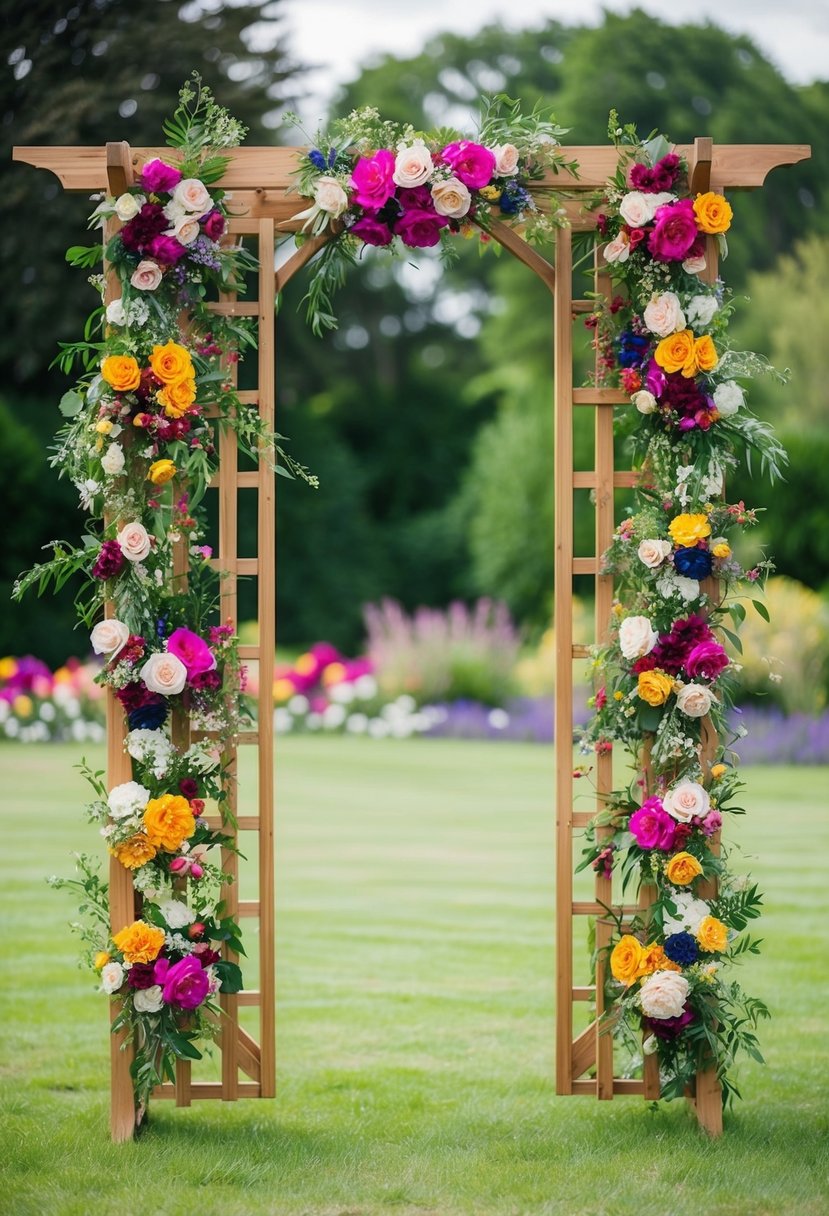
665,679
381,183
140,447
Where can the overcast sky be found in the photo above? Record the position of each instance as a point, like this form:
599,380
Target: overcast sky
340,35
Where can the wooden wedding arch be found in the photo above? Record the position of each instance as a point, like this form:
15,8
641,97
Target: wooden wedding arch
261,180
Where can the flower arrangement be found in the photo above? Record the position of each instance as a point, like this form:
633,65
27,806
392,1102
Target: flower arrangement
374,182
664,680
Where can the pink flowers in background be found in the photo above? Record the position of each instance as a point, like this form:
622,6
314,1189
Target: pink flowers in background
315,673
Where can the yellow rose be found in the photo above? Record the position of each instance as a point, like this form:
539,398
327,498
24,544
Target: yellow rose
713,213
334,674
676,353
121,372
139,942
682,869
490,193
705,354
654,958
718,770
161,471
135,852
618,696
177,397
722,550
626,959
168,821
171,362
101,960
654,687
8,668
686,530
104,426
712,935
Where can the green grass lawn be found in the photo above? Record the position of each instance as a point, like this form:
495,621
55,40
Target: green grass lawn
416,964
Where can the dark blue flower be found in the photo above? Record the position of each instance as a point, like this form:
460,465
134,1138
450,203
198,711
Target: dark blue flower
332,157
161,627
631,349
513,199
148,717
317,159
693,562
681,948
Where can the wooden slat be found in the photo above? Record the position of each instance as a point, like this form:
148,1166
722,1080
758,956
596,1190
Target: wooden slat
584,565
235,308
585,992
600,396
244,823
589,907
209,1089
248,907
251,996
585,479
580,651
584,1050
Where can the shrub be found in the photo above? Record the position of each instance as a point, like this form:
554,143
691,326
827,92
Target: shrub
788,659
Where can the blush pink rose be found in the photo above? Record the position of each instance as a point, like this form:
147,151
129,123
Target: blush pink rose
506,160
146,276
192,650
473,164
193,196
165,674
373,179
135,542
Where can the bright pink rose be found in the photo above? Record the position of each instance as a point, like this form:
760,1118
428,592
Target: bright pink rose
214,224
184,983
420,229
373,179
473,164
707,659
652,826
711,823
372,231
166,249
674,231
156,177
192,650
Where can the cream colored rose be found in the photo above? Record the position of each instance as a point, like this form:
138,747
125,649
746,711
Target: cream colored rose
128,206
413,165
164,673
174,211
701,310
687,801
108,637
728,397
330,196
644,401
186,229
653,552
112,461
635,209
617,250
451,198
148,1000
146,276
664,315
112,977
116,313
695,700
637,637
193,196
506,159
135,542
663,994
694,265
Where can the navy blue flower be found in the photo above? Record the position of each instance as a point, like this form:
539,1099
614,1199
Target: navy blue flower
332,157
631,349
317,159
513,199
693,562
681,948
148,717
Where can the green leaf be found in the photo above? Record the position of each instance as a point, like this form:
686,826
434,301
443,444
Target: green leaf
230,975
71,404
84,255
649,717
761,608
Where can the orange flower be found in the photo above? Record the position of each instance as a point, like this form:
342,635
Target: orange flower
676,353
171,362
168,821
626,959
705,354
121,372
682,869
712,935
135,852
654,958
713,213
139,942
177,397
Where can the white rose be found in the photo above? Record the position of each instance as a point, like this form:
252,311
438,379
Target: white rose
214,980
663,994
186,229
506,159
116,313
728,397
128,206
687,801
637,637
330,196
670,583
690,913
135,542
193,196
413,165
617,250
127,799
174,211
146,276
451,198
108,637
165,674
664,315
112,977
694,265
644,401
701,310
653,552
176,913
112,461
695,700
635,209
655,201
148,1000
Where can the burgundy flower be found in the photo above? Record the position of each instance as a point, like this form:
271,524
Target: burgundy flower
188,787
372,231
206,956
415,198
137,696
110,560
206,679
670,1028
214,224
140,975
140,230
673,648
420,229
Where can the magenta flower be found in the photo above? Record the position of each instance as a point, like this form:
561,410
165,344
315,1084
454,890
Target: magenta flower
670,1028
655,378
420,229
473,164
372,231
110,560
674,231
707,659
652,827
166,249
140,230
373,180
415,198
214,224
193,651
711,823
185,983
156,176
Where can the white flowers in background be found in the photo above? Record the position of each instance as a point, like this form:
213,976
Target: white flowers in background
112,977
109,637
365,687
451,198
112,461
333,715
701,310
127,206
148,1000
663,994
413,165
164,673
637,637
728,397
506,159
664,315
135,542
146,276
127,799
686,801
690,913
116,314
653,552
176,913
695,700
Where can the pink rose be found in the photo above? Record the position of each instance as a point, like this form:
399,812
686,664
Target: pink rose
451,198
473,164
135,542
214,224
413,165
186,230
165,674
663,994
687,801
156,177
617,250
712,823
506,160
420,229
166,249
146,276
184,983
373,179
652,827
193,196
674,231
707,659
192,650
372,231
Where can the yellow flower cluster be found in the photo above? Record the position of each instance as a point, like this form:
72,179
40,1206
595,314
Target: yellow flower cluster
686,530
139,942
712,935
655,686
631,961
682,869
682,352
172,365
135,852
121,372
168,822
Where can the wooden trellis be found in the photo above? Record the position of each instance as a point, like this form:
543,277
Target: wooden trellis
261,180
